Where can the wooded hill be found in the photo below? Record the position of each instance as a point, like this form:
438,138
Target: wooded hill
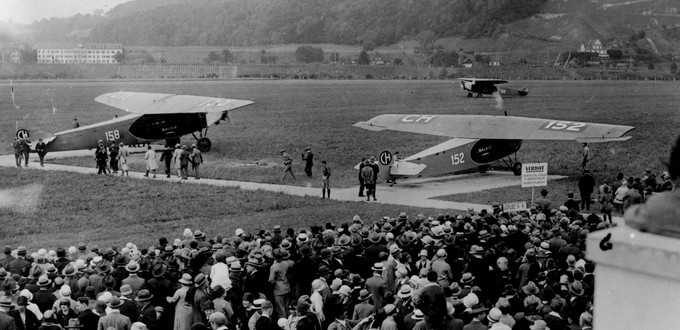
257,22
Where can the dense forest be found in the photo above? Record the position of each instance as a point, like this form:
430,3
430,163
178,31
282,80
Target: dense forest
257,22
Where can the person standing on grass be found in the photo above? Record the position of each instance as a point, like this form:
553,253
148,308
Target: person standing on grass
16,146
25,150
123,155
361,179
101,157
288,165
150,159
369,180
114,151
585,157
196,159
167,157
184,158
325,179
41,149
176,159
586,184
308,158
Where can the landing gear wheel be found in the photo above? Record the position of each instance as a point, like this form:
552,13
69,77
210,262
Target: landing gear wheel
483,168
517,168
203,144
469,94
479,95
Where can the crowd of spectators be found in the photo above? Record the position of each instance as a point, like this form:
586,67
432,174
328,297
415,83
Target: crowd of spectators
466,271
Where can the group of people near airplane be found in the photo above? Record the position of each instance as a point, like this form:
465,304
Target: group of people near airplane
110,159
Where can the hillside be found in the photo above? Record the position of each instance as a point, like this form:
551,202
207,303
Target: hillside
510,26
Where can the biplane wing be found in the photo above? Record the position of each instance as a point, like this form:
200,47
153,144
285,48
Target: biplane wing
498,127
157,104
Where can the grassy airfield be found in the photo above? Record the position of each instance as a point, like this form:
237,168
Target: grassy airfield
292,115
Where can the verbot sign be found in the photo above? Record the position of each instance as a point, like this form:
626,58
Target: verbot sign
534,175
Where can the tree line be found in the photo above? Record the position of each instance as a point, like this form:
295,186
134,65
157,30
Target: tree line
259,22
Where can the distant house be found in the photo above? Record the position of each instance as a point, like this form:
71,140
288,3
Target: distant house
377,60
80,53
594,46
10,55
466,60
494,63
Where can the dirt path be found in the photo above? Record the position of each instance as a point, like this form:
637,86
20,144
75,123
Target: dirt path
415,192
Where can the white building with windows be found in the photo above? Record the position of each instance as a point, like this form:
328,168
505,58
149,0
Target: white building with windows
80,53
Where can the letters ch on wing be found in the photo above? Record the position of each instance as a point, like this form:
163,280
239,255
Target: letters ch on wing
417,118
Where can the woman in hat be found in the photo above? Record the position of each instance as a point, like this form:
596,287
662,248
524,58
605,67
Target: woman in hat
65,312
150,160
183,307
49,321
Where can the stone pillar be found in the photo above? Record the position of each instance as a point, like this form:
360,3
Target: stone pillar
637,282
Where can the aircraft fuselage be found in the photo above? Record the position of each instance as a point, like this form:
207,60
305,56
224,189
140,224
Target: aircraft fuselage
129,129
451,157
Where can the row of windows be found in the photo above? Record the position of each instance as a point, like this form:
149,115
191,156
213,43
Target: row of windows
74,56
67,51
72,61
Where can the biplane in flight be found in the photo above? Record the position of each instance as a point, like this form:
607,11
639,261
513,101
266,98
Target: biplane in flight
488,87
478,140
153,117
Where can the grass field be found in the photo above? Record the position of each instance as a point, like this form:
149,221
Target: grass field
293,115
50,209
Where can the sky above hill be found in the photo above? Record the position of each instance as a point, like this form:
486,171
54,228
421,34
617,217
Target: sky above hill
27,11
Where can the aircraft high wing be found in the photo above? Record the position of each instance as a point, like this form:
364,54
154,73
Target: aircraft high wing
152,103
478,140
152,117
488,87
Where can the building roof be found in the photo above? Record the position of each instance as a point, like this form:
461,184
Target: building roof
55,45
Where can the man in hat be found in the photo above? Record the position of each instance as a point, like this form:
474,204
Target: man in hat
184,158
166,157
586,184
585,157
159,286
325,179
16,265
43,298
16,146
176,156
287,165
197,160
101,157
305,270
308,158
432,301
25,150
129,307
114,319
364,308
200,297
278,276
571,203
376,285
6,320
147,312
133,280
543,202
41,149
368,178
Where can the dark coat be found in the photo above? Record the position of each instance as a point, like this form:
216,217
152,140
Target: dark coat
32,322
